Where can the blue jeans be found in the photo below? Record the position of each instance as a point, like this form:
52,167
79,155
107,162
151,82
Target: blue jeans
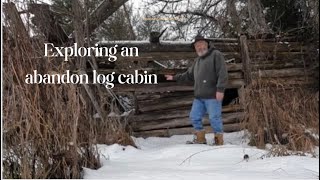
211,106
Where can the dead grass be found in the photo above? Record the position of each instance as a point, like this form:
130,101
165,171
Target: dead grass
282,115
49,130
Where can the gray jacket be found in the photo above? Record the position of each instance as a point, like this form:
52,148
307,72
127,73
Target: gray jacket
208,73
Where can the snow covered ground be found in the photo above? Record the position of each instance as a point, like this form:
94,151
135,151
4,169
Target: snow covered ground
172,159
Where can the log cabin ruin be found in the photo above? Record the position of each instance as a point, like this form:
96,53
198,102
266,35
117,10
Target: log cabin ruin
163,109
61,112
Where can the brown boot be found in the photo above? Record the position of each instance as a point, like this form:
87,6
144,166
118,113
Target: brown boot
199,138
218,139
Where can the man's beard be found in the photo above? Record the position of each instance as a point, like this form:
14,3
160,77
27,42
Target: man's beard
202,52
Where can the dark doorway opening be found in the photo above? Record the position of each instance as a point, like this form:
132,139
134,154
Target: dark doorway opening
230,96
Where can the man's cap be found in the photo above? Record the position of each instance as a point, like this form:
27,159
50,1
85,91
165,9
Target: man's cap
199,38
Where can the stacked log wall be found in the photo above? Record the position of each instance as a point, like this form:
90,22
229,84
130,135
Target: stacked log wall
163,109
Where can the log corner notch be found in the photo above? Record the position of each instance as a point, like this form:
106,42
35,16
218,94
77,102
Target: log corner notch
245,56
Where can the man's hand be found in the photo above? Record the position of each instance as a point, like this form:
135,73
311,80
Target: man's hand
169,77
219,96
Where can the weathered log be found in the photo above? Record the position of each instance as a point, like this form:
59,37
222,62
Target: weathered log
286,82
160,116
234,67
278,73
274,39
179,113
147,96
161,56
276,46
228,118
231,75
165,87
166,46
181,131
173,123
231,40
276,55
166,104
168,55
176,103
276,65
157,101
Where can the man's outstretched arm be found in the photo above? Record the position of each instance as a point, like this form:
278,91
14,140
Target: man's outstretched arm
183,77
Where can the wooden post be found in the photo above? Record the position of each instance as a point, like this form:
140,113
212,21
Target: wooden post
245,59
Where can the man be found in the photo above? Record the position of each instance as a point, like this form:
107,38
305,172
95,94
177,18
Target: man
210,77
